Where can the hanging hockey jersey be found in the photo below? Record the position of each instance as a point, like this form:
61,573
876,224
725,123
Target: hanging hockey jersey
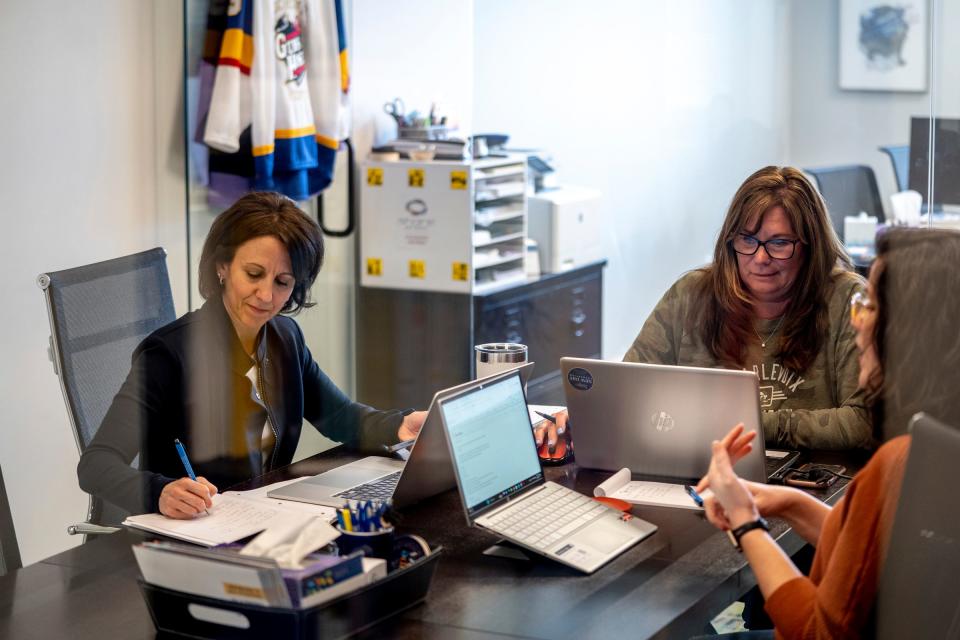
279,73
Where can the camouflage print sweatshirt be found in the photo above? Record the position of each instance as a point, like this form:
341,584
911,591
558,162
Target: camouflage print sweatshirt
820,408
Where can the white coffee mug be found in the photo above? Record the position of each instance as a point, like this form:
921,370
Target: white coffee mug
494,357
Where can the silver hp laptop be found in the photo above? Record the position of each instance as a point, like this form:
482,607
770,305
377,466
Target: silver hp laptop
919,594
659,420
503,488
426,472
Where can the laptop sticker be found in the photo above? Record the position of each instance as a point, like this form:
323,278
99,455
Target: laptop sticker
580,379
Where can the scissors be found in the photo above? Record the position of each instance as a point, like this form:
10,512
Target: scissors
396,110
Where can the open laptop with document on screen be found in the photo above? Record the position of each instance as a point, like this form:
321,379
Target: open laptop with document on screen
425,473
503,488
659,420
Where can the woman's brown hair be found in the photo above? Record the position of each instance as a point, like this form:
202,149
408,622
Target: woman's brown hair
257,214
726,323
916,292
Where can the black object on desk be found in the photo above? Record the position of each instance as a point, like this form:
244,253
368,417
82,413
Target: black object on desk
200,617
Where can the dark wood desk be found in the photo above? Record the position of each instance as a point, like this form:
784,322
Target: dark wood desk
668,586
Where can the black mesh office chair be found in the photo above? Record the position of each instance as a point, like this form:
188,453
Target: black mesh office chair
9,551
98,314
848,190
900,159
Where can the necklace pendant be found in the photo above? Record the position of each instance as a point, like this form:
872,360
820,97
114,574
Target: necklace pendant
763,345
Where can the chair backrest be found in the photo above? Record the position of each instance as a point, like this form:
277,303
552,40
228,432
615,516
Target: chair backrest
9,550
919,595
848,190
98,314
900,159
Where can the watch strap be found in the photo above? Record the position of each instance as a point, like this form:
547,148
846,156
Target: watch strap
740,531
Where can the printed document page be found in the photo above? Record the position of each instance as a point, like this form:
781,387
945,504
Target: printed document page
659,494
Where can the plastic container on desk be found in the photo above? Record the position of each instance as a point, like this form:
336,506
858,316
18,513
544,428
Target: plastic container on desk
200,617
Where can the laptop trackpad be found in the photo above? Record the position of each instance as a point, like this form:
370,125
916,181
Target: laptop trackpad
605,537
356,473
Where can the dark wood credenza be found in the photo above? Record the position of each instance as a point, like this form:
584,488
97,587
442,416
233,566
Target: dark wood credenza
411,344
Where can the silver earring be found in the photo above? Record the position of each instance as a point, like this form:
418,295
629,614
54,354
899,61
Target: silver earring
220,275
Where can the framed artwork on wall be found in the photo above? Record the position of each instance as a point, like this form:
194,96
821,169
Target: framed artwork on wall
883,46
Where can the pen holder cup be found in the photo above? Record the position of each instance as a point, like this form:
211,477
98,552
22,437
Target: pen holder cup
374,544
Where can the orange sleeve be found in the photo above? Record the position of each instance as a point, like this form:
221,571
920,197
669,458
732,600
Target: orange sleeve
837,599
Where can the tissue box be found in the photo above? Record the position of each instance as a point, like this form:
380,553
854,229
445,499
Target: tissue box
859,231
323,572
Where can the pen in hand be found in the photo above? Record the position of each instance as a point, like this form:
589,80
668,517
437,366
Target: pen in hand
186,463
547,416
693,495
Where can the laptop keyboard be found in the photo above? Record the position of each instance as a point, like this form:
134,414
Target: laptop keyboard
379,489
552,514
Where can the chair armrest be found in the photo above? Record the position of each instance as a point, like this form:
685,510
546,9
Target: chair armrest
86,528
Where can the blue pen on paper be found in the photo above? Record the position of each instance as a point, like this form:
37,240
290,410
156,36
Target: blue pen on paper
186,461
694,495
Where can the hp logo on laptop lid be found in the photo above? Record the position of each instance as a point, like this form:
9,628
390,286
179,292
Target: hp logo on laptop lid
662,421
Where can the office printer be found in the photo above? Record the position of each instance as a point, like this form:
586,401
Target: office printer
566,223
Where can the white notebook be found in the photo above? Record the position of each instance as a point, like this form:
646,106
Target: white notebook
658,494
234,515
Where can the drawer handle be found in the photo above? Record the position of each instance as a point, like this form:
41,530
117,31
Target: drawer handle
515,337
578,317
213,615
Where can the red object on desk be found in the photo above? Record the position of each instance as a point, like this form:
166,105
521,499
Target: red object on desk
561,454
616,503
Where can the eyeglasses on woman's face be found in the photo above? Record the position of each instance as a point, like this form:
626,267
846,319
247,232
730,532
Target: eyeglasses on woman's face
860,308
776,248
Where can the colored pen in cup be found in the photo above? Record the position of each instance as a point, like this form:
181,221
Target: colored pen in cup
186,463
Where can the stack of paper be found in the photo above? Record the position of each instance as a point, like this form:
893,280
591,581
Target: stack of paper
234,515
227,575
659,494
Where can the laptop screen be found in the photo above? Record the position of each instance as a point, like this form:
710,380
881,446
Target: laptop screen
491,439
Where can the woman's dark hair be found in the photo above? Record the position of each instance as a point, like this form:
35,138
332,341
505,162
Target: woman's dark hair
259,214
916,290
726,321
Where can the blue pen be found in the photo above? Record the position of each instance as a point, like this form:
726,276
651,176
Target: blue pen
186,461
694,495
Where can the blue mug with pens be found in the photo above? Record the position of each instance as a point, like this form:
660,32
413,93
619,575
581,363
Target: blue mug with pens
363,528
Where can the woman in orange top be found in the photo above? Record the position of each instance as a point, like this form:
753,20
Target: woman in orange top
909,360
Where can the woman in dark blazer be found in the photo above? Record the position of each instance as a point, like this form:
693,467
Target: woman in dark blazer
233,380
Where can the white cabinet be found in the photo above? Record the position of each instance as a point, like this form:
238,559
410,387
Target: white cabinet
457,227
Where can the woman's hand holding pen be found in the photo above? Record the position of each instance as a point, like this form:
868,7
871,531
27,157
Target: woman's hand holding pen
551,428
183,499
733,493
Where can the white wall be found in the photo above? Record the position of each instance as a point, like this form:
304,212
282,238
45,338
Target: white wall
419,51
83,180
665,107
830,126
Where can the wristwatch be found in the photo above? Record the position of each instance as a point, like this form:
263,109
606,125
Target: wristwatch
738,533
